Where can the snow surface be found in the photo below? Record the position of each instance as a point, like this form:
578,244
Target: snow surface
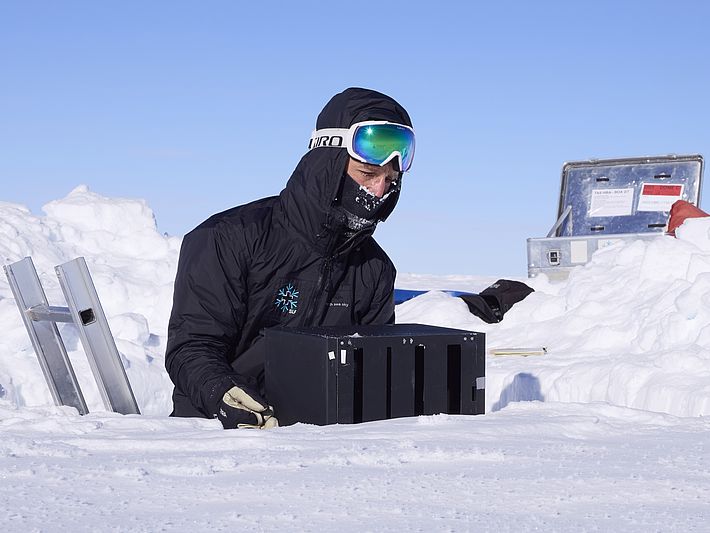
606,432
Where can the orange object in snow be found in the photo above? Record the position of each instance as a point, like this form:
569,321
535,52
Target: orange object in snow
680,211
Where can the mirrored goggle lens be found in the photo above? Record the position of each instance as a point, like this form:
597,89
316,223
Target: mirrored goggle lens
376,143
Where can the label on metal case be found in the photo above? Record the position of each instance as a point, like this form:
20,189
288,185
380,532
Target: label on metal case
659,197
578,252
611,202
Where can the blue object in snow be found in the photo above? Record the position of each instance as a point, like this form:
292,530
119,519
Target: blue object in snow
402,295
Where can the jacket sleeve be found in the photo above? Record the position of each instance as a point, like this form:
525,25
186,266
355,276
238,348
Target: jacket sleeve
209,306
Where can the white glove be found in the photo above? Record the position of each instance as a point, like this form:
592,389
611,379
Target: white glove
244,408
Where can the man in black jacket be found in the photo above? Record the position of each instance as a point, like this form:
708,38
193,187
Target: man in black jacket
303,258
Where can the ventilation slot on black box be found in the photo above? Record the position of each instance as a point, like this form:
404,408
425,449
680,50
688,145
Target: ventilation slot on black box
453,378
389,383
358,371
419,380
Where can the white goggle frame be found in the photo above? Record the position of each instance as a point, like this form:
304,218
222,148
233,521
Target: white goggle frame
343,138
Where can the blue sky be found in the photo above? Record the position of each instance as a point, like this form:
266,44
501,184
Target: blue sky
200,106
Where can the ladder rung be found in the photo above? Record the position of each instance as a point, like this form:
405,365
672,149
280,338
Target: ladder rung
49,313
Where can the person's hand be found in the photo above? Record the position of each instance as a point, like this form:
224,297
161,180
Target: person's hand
242,407
680,211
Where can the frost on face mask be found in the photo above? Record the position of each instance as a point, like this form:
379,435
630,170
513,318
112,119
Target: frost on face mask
360,205
370,202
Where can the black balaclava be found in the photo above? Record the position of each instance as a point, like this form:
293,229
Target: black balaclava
312,200
355,204
360,207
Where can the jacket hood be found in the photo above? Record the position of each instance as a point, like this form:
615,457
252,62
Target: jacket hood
311,190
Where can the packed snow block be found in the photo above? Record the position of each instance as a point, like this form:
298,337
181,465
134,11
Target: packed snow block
344,375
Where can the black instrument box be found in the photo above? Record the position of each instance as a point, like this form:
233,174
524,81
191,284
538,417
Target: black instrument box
353,374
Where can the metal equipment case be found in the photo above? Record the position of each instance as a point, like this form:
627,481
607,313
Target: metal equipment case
362,373
605,201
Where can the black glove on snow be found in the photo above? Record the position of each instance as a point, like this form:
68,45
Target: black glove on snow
243,407
479,307
494,301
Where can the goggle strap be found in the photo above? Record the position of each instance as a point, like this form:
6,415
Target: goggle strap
333,137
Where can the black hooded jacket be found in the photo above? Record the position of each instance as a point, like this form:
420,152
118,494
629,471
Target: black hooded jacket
282,260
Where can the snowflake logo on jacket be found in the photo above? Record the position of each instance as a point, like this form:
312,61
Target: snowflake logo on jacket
287,299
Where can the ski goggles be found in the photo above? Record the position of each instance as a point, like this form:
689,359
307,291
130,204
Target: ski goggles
376,142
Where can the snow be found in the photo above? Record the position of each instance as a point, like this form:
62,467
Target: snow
605,432
133,267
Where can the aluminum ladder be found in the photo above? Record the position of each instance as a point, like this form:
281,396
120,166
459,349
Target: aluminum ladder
85,312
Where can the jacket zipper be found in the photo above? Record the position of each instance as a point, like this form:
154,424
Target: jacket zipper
323,275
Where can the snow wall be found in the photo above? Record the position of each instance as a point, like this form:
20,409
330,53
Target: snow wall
631,328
